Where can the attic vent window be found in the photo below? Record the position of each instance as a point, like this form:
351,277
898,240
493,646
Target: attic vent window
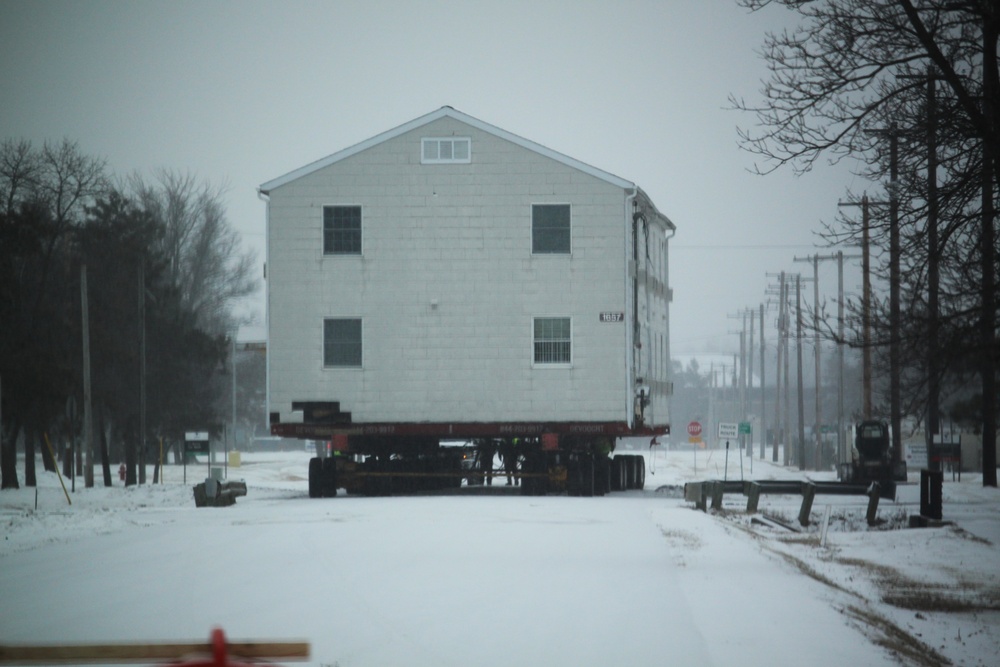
446,150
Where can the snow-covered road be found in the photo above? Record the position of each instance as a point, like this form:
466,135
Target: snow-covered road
635,578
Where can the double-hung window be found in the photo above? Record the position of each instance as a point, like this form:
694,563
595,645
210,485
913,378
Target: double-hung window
553,340
550,229
342,342
341,230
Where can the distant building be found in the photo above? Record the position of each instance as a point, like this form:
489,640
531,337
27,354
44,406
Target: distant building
450,271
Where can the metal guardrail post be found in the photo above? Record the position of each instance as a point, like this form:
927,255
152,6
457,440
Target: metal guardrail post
753,497
695,492
808,494
718,488
873,495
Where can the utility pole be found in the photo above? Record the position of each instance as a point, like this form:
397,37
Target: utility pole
743,369
142,370
841,440
817,434
866,310
763,388
895,401
788,403
747,409
778,430
88,465
933,269
933,418
866,306
866,302
987,240
798,351
233,429
711,401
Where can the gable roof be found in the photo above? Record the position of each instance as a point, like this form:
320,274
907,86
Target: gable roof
444,112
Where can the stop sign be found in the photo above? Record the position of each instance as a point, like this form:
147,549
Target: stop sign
694,428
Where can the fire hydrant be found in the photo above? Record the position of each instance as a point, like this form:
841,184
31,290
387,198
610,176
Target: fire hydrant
121,472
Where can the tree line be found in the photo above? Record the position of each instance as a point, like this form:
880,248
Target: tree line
162,266
911,90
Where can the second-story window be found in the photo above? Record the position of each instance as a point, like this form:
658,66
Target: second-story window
550,229
341,230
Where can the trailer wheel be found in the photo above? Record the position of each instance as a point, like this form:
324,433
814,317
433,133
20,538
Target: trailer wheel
315,474
640,476
615,476
328,484
602,475
574,476
630,470
587,475
534,464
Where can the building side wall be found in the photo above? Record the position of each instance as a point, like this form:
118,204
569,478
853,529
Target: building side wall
447,287
653,354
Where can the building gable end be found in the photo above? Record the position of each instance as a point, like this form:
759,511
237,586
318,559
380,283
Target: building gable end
443,112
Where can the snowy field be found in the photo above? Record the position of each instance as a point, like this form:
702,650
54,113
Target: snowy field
634,578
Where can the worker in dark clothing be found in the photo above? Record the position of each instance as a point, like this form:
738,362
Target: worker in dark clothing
508,452
487,450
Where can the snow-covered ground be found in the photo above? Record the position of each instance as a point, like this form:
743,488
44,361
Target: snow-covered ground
634,578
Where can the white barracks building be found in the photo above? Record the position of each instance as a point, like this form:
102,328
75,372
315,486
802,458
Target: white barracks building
447,277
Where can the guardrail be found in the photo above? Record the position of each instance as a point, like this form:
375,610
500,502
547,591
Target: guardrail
700,493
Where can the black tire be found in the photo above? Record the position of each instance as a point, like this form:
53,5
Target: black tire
587,476
602,475
619,474
315,477
328,486
630,470
640,475
574,476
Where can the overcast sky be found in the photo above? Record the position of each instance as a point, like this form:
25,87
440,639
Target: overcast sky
238,93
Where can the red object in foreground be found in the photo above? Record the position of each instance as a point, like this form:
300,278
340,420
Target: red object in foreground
176,654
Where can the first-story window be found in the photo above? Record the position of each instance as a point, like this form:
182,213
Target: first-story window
341,230
342,342
553,340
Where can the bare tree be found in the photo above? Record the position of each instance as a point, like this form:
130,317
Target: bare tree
855,71
203,250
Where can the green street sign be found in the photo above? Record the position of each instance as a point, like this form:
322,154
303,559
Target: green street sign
745,428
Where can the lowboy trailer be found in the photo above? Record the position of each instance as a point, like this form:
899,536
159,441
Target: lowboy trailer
385,458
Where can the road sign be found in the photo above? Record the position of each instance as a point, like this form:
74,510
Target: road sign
745,428
728,430
196,442
694,429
